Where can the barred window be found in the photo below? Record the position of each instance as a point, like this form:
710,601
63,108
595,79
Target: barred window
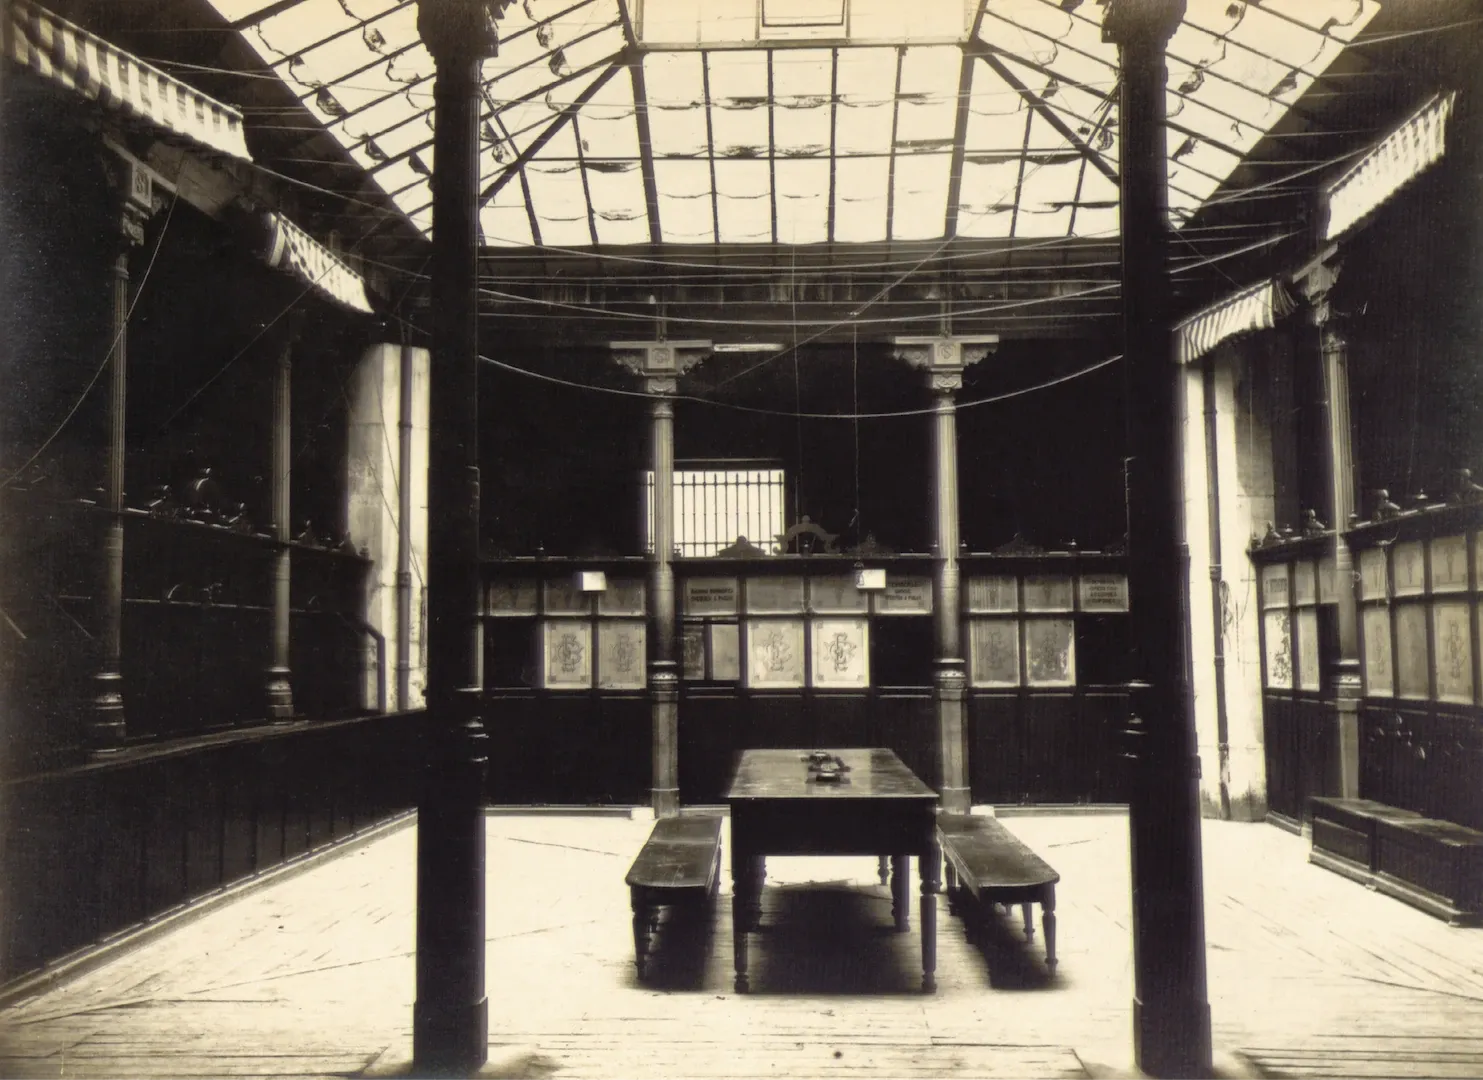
717,502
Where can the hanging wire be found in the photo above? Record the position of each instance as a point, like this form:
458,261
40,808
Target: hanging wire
107,356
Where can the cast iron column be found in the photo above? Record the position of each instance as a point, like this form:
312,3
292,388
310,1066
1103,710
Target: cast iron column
1326,486
106,726
661,364
450,1032
1171,1015
944,359
279,688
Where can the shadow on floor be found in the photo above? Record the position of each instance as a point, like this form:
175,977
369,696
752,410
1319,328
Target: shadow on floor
998,935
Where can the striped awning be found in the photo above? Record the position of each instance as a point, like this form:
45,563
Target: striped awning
291,249
1395,161
1255,308
82,62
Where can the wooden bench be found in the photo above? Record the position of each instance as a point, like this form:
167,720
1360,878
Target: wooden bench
992,864
679,863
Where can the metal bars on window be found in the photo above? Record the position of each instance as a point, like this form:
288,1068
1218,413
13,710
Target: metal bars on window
716,507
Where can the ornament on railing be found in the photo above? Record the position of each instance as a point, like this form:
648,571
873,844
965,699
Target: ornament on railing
1463,489
806,538
1311,525
1419,502
1385,510
741,548
869,546
1018,545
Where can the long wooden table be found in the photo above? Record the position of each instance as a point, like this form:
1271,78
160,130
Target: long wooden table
879,808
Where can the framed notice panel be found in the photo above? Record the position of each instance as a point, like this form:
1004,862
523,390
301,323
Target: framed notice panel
775,596
1274,586
1050,652
1409,569
1452,635
564,598
1372,574
1304,583
1277,634
1379,679
622,650
994,652
1104,592
1307,624
711,596
566,647
775,653
841,653
1412,670
905,596
623,596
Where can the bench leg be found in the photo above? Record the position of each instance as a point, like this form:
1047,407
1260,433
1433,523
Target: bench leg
1029,922
883,869
641,923
901,891
1048,921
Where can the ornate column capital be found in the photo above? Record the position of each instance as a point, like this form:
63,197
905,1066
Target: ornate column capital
944,358
660,363
460,30
137,196
1128,22
1314,282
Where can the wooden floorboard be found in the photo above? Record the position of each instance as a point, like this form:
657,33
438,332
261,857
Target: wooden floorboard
1310,975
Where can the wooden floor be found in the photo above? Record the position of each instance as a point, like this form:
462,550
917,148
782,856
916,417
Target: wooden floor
1309,974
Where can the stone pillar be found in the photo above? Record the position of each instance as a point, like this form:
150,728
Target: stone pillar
106,724
279,690
1321,355
660,364
1171,1014
450,1027
943,359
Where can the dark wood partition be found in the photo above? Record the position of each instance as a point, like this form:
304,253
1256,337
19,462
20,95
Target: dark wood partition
106,846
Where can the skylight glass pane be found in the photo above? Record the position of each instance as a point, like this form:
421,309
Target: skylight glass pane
236,10
1340,19
739,104
1097,224
675,91
685,212
921,196
744,204
609,129
860,199
996,113
929,98
800,86
986,201
867,80
895,20
1048,191
556,192
505,220
803,201
291,32
617,191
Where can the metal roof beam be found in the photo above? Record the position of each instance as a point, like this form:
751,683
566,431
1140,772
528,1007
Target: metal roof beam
1037,104
891,167
646,146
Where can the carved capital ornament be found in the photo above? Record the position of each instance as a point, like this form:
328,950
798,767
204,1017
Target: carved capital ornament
944,358
660,363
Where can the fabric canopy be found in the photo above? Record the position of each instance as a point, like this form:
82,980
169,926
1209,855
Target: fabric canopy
290,248
82,62
1255,308
1398,159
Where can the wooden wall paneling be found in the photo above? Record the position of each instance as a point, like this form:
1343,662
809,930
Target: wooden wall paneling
630,739
777,720
709,728
238,825
314,776
269,805
1106,715
1049,758
119,824
519,748
906,722
290,774
200,780
842,720
995,747
164,838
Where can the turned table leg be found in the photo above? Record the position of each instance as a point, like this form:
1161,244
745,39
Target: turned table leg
1048,921
641,918
927,918
883,869
900,891
1029,922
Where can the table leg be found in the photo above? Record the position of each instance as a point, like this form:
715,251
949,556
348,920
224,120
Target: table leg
928,918
1029,922
900,891
741,889
759,879
1048,921
883,869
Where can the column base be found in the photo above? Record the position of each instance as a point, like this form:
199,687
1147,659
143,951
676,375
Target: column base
450,1040
106,726
279,696
666,802
1172,1039
956,800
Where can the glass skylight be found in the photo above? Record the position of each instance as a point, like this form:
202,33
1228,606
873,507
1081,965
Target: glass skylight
798,121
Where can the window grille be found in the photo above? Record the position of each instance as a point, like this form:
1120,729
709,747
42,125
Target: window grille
716,504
